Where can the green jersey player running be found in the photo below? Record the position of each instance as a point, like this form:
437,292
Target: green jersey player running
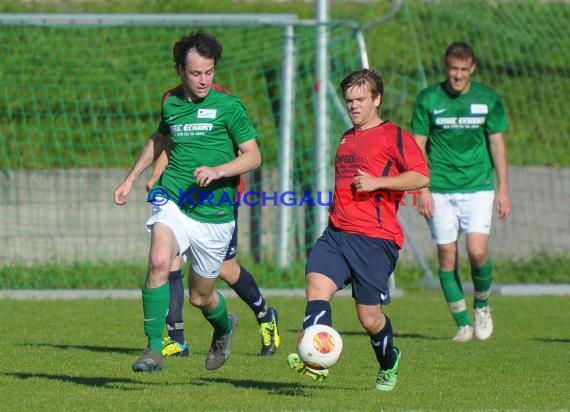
460,124
192,210
235,275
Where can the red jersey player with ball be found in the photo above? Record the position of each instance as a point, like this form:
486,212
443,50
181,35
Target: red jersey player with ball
375,162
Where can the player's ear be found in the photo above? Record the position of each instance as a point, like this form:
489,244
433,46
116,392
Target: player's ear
378,101
472,68
179,69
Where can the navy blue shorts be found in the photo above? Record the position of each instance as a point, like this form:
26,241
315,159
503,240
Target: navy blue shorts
232,248
364,262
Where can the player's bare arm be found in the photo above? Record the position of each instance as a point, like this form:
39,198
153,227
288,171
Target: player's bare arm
155,144
249,159
408,180
498,153
425,204
158,168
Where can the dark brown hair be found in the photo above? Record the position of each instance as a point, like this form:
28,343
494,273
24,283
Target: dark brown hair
459,50
202,42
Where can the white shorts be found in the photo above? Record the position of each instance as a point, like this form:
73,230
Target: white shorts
205,243
456,213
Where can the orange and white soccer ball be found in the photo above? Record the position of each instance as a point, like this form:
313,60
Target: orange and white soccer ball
319,346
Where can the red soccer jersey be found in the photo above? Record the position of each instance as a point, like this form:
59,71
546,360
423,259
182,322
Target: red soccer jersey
384,150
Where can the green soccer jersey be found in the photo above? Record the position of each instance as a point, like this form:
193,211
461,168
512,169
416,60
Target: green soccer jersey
205,133
457,128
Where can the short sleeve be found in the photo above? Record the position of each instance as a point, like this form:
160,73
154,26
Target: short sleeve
497,118
240,127
420,116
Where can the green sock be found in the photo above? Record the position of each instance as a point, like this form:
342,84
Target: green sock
482,281
218,318
155,306
451,286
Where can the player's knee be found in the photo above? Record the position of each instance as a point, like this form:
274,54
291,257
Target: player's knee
158,263
199,300
319,287
196,300
447,259
478,258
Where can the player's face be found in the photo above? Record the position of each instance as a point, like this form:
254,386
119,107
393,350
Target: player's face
362,107
458,74
198,75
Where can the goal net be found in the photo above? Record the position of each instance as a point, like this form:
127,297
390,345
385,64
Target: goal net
81,94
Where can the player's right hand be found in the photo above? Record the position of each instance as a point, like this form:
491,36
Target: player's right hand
121,192
425,204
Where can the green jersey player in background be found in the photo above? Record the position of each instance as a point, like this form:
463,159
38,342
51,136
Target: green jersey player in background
193,212
459,123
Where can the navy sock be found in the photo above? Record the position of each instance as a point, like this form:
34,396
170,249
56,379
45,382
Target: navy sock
174,322
317,312
383,346
246,288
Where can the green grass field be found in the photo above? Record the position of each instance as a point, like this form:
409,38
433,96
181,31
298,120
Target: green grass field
77,356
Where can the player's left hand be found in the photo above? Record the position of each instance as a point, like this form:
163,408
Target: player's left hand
205,175
150,183
364,182
503,205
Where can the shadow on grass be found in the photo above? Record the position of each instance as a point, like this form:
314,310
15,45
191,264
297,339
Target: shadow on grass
124,384
553,340
274,388
418,336
396,335
92,348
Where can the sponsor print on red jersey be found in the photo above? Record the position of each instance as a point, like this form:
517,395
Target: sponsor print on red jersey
384,150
